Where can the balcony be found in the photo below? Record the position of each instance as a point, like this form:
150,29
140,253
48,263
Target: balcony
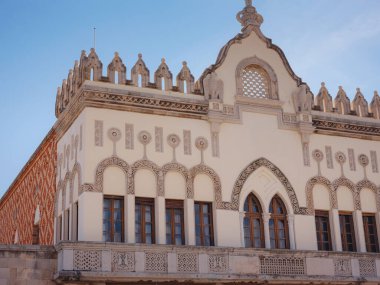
114,262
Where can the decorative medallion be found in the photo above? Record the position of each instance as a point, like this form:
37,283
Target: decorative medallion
144,137
201,143
363,160
318,155
340,157
114,134
173,140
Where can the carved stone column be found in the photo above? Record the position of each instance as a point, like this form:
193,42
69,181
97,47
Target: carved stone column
129,218
189,222
359,231
337,241
160,220
292,239
266,218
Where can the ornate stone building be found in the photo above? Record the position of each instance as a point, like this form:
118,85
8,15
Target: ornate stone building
243,176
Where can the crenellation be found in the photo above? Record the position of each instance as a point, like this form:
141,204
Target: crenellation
185,80
375,105
359,104
117,67
342,102
324,99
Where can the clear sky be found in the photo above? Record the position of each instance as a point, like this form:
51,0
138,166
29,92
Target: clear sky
335,41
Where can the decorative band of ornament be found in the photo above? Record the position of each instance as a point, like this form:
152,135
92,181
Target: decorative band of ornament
147,102
346,128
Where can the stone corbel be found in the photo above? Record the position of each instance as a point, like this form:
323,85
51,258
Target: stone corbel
305,128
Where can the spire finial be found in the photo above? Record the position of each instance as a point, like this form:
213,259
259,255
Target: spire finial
249,18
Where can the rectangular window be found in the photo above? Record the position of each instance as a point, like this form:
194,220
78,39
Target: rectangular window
204,232
370,233
66,222
347,232
322,226
144,220
74,223
113,219
175,233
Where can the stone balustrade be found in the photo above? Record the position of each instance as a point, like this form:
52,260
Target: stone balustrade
116,262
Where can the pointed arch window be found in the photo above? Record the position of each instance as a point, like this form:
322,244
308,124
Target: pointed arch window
253,223
278,224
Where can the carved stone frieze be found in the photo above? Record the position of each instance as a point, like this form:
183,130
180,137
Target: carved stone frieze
149,165
282,265
346,129
366,184
177,167
123,261
342,266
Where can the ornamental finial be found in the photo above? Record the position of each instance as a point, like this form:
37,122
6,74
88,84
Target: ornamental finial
249,18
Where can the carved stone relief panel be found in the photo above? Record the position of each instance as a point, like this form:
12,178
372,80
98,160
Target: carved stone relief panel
329,157
375,168
98,133
187,142
187,262
123,261
282,265
351,159
306,154
217,263
158,137
342,267
156,262
129,136
367,267
87,260
215,144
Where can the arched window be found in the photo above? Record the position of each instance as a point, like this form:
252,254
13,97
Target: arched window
253,223
255,82
278,224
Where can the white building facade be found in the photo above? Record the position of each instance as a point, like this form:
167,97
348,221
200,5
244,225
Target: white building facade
241,176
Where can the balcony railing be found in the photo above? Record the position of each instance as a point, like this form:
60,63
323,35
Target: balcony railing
114,262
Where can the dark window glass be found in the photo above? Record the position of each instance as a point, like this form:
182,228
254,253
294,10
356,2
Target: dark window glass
322,226
370,233
204,233
113,219
278,224
253,223
347,232
175,233
144,221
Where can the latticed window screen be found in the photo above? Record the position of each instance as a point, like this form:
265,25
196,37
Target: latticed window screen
255,82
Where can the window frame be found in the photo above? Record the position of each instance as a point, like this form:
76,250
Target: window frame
145,202
319,231
343,232
111,220
368,244
252,216
171,206
276,218
202,225
36,234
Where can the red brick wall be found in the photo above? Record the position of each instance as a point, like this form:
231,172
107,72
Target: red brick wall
19,203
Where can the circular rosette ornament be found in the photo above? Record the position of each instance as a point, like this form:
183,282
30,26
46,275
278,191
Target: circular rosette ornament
201,143
340,157
174,140
363,160
144,137
318,155
114,134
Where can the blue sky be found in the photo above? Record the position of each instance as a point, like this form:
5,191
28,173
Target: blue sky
337,42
